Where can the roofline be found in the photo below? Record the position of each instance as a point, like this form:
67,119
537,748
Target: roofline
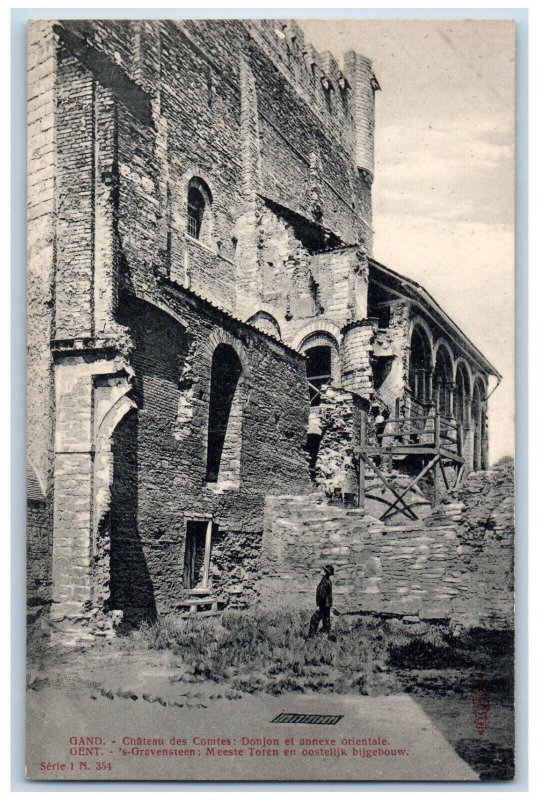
429,300
177,287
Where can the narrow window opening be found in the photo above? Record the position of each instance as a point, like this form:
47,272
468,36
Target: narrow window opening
196,206
198,544
318,370
224,422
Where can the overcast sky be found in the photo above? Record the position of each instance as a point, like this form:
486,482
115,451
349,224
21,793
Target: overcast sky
443,191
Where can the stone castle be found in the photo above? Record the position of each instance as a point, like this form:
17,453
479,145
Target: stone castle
219,372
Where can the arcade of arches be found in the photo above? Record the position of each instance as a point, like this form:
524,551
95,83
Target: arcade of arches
438,382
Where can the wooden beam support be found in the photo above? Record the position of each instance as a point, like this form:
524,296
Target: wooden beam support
444,476
387,484
422,474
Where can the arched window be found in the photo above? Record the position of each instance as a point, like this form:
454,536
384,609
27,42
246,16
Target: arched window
443,382
199,201
420,366
318,370
266,322
225,417
322,364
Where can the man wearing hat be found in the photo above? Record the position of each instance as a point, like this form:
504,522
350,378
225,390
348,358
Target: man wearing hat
324,601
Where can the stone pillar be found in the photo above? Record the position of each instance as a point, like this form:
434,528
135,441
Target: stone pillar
451,396
428,377
249,277
468,433
484,435
90,396
357,346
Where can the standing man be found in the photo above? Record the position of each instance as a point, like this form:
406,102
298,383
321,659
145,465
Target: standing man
324,601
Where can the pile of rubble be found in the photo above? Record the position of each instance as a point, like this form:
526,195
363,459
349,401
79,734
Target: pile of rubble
487,500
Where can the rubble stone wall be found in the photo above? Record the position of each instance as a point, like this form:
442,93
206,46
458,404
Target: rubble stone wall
399,569
456,563
339,423
38,553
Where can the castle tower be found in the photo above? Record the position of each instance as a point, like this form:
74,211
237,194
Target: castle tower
358,71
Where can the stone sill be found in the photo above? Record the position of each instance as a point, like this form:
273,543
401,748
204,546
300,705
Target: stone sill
223,486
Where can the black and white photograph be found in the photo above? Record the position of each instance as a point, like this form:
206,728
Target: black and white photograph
270,400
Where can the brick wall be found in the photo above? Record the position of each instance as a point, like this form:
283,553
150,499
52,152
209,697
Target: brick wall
167,484
41,244
197,129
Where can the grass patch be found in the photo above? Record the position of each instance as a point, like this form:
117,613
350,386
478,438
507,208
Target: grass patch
270,652
264,651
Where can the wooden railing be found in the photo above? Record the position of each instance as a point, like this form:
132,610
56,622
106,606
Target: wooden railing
432,430
432,436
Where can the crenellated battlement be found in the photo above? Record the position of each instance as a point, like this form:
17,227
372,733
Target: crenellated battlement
287,44
341,95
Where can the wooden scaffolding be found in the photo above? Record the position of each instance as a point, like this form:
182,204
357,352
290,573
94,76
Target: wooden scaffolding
436,440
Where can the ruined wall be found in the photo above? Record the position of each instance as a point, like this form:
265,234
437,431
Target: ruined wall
483,511
395,340
419,569
338,419
38,544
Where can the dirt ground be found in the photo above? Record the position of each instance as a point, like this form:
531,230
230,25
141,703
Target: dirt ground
208,671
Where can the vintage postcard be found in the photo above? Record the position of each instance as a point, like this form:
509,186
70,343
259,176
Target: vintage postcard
270,525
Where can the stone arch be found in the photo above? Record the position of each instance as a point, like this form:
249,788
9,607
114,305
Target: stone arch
443,344
323,362
317,326
221,336
265,320
114,415
479,423
444,370
112,403
419,322
461,362
166,309
420,361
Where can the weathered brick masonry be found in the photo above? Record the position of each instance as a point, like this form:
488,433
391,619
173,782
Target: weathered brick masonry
198,273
